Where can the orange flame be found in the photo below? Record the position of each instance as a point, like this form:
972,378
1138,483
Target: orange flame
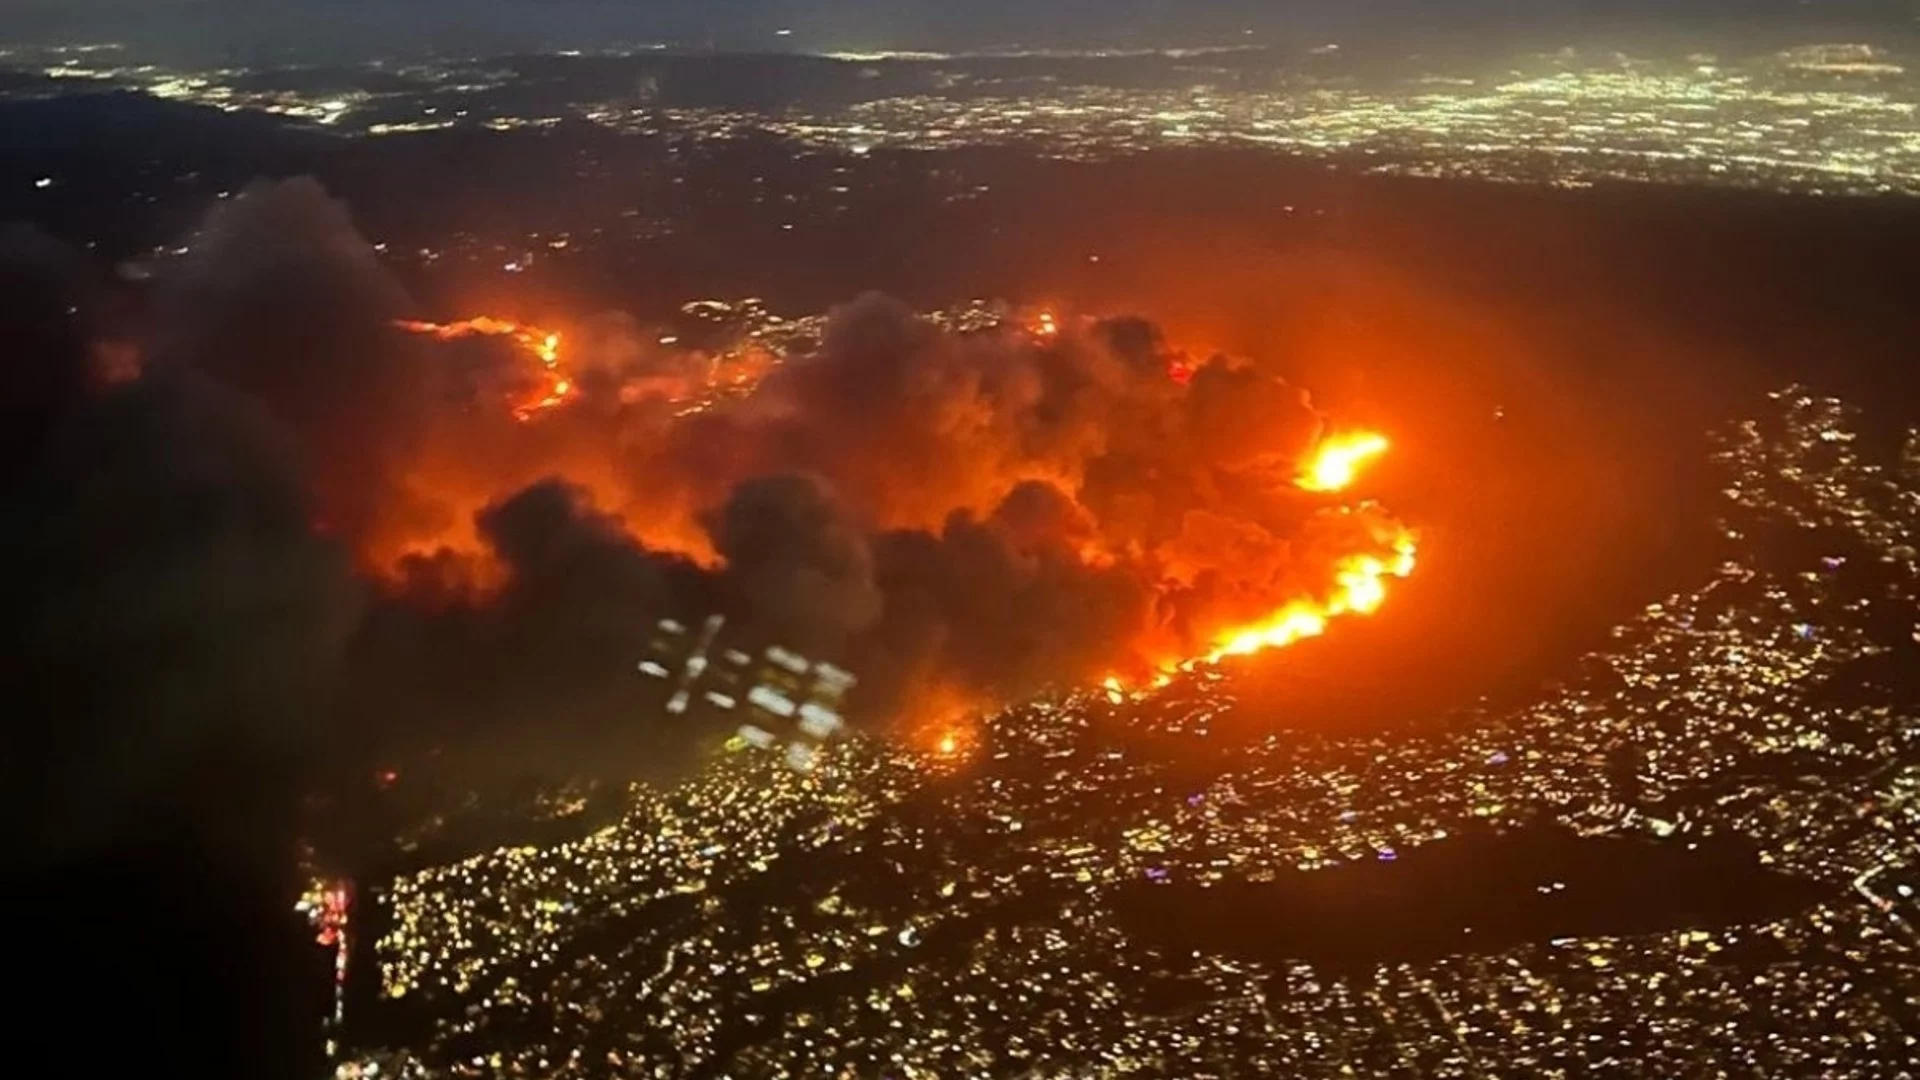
949,745
1360,587
543,345
1337,461
1360,580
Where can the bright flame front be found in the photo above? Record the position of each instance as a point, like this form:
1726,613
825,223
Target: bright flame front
542,345
1360,580
1337,461
1360,587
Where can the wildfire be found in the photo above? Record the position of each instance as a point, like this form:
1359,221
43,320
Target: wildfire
1337,461
1360,587
1359,581
949,745
542,345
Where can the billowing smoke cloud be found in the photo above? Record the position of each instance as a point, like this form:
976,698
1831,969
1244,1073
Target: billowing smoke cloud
172,629
799,569
281,299
533,673
980,512
164,590
1006,603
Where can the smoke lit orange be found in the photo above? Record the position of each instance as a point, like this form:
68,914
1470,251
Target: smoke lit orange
1358,577
542,345
1360,580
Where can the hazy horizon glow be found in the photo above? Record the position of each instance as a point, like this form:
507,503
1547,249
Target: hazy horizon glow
350,29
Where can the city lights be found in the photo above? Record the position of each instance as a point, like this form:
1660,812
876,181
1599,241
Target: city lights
960,912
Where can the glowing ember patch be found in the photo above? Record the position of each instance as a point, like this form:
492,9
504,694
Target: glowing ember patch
951,745
1337,461
116,363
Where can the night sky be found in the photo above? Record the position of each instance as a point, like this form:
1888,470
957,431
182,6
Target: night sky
363,26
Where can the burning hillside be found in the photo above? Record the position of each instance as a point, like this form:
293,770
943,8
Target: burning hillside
1036,505
553,388
960,512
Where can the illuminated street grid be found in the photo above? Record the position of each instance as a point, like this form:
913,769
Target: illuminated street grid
1833,119
914,917
747,341
746,325
1569,127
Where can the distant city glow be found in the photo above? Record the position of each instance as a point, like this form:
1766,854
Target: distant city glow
1833,118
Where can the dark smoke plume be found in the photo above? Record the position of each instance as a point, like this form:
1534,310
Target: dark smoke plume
797,567
172,629
534,676
986,512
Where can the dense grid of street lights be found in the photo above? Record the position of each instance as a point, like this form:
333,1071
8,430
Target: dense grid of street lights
913,913
1571,126
1830,119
